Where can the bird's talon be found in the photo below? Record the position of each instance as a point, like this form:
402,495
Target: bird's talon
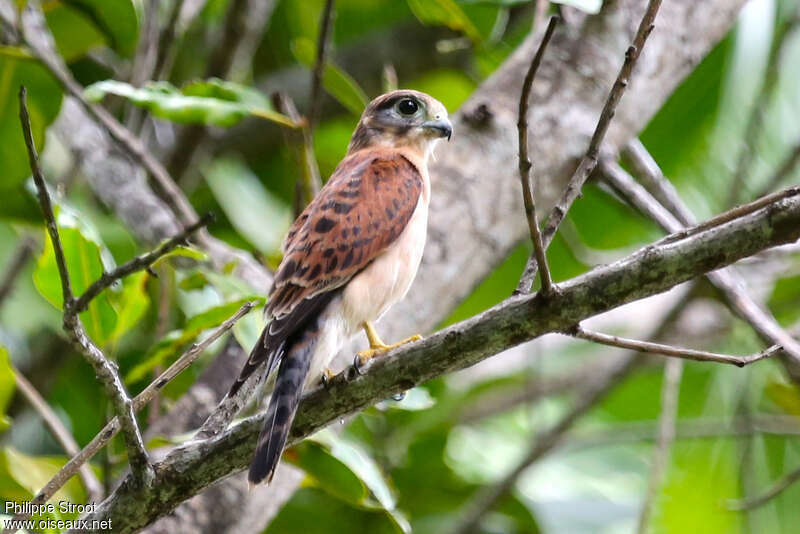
327,376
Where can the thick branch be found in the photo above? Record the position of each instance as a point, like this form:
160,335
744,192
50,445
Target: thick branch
652,270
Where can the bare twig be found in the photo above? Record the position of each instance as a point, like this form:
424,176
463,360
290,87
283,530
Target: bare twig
670,390
589,161
525,165
726,280
17,262
94,488
325,27
755,121
113,427
103,368
762,499
138,263
669,350
301,144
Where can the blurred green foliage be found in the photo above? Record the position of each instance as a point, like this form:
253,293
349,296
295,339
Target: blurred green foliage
412,464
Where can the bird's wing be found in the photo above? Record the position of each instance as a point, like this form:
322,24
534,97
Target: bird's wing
363,208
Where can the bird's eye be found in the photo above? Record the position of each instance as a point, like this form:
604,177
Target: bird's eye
407,106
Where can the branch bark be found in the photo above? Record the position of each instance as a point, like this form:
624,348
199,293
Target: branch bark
653,269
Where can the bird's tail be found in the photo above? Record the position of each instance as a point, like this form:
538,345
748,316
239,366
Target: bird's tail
289,382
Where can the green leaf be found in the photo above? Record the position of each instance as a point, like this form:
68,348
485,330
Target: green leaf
7,385
314,511
44,101
32,472
212,101
256,214
175,340
445,13
182,251
85,265
330,473
337,82
784,299
130,304
78,25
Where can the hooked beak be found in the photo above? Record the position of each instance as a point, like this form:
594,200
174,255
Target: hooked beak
443,127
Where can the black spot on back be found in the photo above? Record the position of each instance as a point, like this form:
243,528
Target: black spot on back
324,225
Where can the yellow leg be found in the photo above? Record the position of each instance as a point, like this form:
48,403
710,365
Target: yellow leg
327,376
378,347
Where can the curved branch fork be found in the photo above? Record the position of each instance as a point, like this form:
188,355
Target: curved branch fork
654,269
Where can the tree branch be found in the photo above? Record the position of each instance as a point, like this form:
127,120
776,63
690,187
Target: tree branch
669,350
525,165
762,499
140,401
589,161
727,280
138,263
103,368
656,268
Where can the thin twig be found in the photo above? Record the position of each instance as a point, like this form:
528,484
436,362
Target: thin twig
726,280
755,121
113,427
670,390
94,488
525,165
669,350
325,26
103,368
17,262
762,499
589,161
301,144
139,263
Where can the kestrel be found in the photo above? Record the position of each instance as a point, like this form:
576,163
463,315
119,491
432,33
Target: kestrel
351,254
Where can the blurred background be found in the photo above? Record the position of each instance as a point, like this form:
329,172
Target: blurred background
415,463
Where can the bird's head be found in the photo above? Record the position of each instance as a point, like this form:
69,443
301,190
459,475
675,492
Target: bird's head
402,118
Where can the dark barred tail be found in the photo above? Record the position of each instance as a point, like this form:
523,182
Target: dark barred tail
283,404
